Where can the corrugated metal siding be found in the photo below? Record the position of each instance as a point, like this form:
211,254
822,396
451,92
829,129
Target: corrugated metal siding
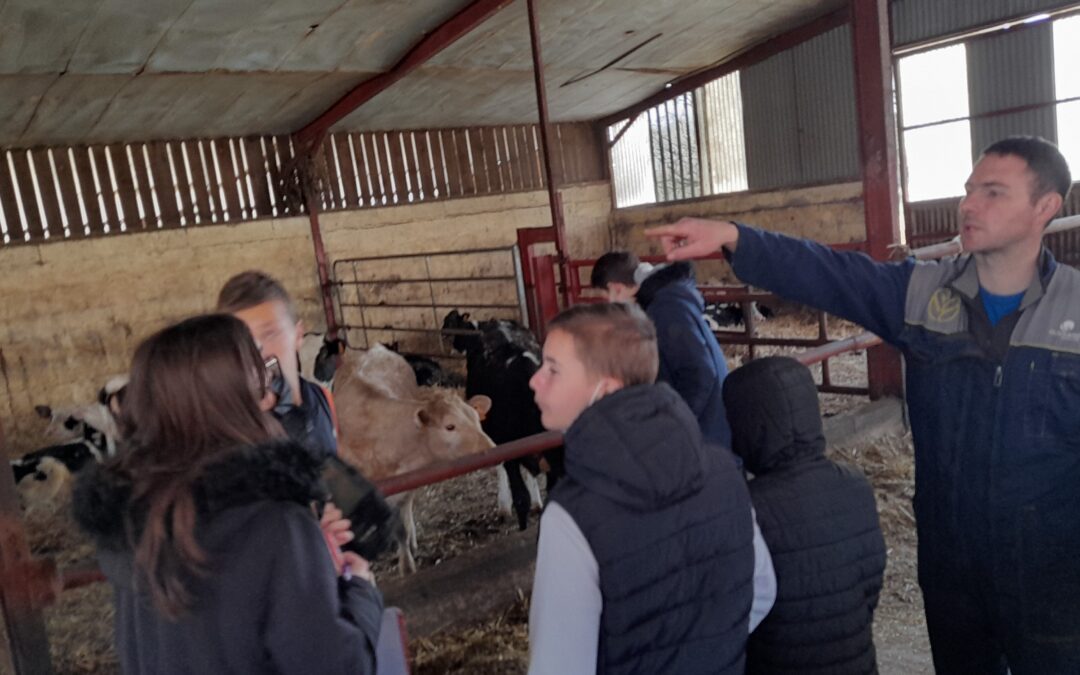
1007,71
770,116
723,156
828,119
799,114
918,20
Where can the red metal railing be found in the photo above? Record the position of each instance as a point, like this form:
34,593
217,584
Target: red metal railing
748,336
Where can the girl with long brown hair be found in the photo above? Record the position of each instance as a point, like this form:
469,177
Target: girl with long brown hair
204,526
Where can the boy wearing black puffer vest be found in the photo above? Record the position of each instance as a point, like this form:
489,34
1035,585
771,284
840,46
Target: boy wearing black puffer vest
819,519
646,555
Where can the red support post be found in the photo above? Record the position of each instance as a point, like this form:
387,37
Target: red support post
554,199
25,588
877,149
547,299
320,261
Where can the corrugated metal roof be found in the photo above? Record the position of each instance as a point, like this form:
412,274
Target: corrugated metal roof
98,71
919,20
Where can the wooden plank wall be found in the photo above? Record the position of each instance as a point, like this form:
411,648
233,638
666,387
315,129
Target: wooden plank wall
62,193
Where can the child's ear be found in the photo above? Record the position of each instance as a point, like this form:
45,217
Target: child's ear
299,334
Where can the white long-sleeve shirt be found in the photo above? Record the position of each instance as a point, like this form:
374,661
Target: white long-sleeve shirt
564,614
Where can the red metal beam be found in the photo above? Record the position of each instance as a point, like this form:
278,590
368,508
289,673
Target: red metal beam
25,588
434,473
877,149
320,263
749,57
431,44
554,199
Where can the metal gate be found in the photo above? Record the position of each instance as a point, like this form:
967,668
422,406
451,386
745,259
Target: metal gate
404,298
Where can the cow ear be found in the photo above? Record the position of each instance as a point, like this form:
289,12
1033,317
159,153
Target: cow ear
465,316
481,404
43,411
423,418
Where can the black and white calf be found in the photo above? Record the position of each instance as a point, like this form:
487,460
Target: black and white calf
502,357
319,357
725,314
85,434
428,371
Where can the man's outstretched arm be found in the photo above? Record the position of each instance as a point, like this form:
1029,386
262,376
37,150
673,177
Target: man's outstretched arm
845,283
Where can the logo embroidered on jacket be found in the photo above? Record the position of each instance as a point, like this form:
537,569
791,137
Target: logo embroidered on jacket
944,305
1066,331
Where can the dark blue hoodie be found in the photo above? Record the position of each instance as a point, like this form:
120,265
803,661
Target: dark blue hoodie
690,357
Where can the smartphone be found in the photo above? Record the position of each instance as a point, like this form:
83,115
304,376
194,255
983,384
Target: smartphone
376,525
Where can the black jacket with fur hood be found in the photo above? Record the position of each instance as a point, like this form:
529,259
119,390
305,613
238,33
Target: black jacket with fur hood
270,603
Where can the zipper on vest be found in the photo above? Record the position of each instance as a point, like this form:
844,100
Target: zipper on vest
998,374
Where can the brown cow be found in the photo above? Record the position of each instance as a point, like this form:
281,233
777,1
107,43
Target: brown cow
388,427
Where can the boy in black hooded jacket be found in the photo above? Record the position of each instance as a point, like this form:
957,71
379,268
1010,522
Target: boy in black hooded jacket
819,519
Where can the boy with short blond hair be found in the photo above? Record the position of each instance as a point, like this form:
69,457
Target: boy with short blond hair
646,559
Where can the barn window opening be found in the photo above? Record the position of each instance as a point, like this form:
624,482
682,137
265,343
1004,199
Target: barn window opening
937,128
689,146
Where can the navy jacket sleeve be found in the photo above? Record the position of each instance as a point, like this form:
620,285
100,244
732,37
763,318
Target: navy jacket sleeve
685,359
317,623
848,284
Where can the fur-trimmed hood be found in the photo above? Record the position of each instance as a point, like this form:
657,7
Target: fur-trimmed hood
276,471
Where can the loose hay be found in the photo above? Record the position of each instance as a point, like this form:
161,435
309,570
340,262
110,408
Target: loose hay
499,646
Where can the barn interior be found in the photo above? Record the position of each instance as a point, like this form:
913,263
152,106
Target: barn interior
391,161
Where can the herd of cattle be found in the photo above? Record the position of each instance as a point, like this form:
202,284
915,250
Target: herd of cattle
397,412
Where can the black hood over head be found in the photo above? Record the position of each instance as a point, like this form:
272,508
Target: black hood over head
772,407
639,446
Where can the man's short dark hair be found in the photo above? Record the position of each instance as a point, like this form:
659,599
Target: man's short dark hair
251,288
614,267
1043,158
